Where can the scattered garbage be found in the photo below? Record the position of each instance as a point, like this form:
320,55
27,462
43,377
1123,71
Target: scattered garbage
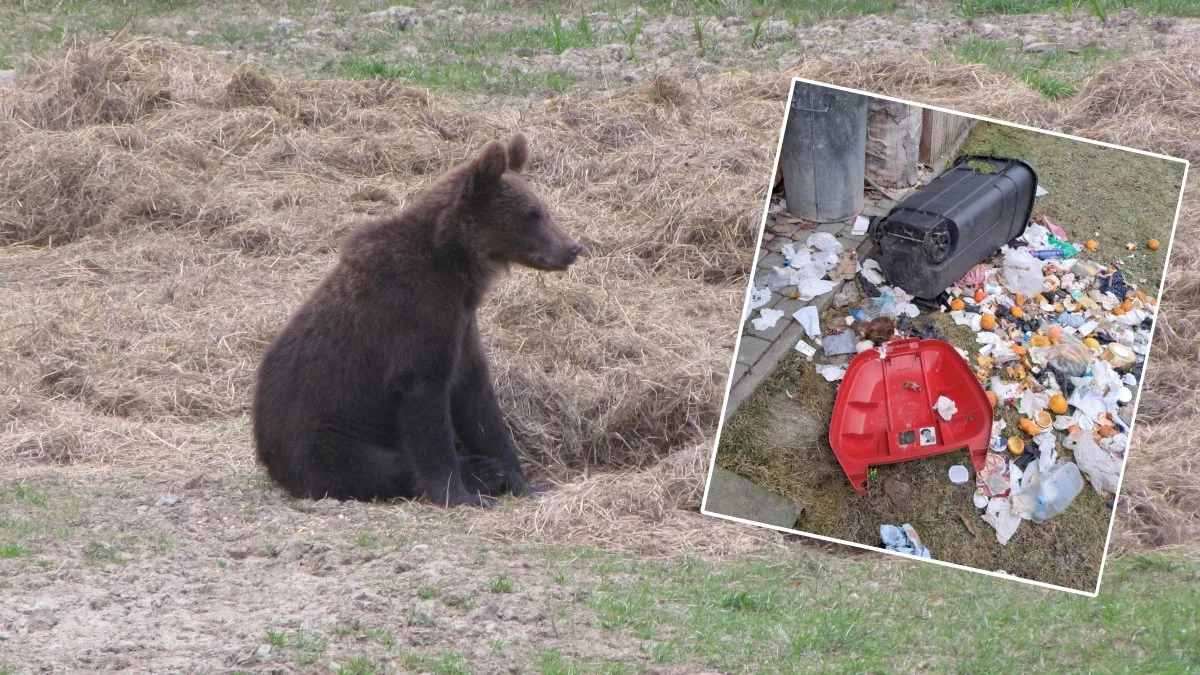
879,330
903,539
831,373
824,241
999,514
945,407
1060,338
1046,495
838,344
808,319
1022,272
759,297
959,474
1103,468
806,350
861,225
767,319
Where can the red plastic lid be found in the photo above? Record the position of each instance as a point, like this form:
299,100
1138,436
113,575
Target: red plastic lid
884,412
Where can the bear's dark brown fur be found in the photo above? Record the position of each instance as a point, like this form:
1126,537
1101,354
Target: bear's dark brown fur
362,394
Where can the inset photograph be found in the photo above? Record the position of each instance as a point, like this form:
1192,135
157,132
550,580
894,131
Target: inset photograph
944,336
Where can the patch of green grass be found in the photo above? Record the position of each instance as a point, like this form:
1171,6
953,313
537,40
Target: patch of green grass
276,638
240,34
367,539
304,647
161,545
468,76
446,663
101,552
359,665
428,593
1054,74
458,602
553,662
835,614
502,584
356,629
13,550
17,493
1096,8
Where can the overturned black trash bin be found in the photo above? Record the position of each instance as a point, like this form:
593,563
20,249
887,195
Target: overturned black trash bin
930,240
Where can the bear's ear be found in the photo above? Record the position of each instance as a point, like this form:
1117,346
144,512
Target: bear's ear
518,152
490,165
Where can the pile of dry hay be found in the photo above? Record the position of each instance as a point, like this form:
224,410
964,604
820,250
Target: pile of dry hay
165,214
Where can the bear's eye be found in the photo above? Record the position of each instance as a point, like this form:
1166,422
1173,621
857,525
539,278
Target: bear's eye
533,215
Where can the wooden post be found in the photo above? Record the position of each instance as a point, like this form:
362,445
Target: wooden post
941,136
823,158
893,142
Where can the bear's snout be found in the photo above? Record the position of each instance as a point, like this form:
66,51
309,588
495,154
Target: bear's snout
573,252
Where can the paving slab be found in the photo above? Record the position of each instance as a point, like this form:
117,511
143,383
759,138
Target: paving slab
731,495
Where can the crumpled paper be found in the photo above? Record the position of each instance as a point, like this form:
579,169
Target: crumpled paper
808,318
946,407
831,373
824,241
767,319
999,515
759,297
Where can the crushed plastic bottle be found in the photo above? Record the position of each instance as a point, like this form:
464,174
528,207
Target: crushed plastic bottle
1049,494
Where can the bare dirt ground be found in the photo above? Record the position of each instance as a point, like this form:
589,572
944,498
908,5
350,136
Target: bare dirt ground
164,211
227,575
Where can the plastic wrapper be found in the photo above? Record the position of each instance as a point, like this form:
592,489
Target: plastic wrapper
1022,272
1069,356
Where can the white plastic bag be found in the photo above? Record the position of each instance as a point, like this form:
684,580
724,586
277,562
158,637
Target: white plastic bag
823,241
1022,272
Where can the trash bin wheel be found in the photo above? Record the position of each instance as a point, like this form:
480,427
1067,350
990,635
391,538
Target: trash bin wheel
937,244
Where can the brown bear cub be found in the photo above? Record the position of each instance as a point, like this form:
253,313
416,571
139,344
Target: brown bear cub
363,393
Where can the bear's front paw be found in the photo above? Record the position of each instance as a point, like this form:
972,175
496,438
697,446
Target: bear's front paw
466,499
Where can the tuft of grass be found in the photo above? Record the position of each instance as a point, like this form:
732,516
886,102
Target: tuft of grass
469,75
367,539
553,662
13,550
743,601
305,647
359,631
698,29
275,638
1098,10
502,584
755,34
446,663
240,34
458,602
359,665
428,593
